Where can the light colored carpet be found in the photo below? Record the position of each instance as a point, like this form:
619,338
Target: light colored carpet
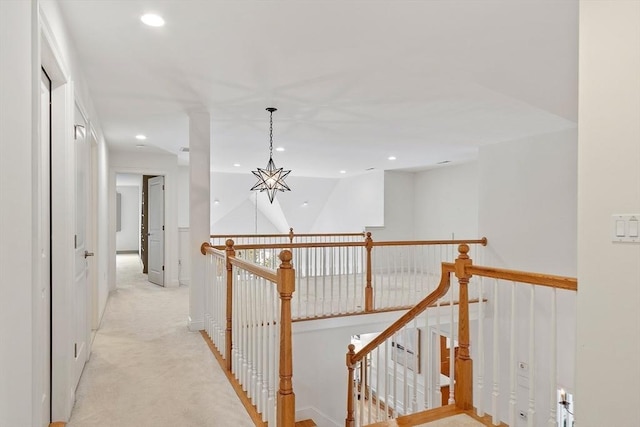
147,369
460,420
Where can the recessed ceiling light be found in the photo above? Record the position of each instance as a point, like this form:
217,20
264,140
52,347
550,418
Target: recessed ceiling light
280,149
343,171
140,146
141,137
392,157
216,202
152,20
237,165
305,203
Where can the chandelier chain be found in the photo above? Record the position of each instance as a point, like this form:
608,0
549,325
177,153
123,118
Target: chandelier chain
270,134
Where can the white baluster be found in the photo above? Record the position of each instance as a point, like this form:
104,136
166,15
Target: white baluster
323,272
252,335
426,345
261,345
439,332
378,369
452,354
405,372
480,394
512,358
495,395
553,381
532,359
387,357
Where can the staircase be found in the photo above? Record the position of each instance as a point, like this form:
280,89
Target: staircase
444,416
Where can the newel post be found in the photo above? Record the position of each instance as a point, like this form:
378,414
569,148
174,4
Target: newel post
464,364
286,407
350,420
368,290
230,252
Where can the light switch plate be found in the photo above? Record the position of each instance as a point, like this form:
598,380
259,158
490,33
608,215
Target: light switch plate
624,228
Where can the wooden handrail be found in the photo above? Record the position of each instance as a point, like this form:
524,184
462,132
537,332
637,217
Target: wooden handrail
206,248
482,242
230,236
439,292
297,245
560,282
290,234
330,235
258,270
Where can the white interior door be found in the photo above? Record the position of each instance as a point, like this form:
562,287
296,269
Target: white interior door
80,298
155,234
43,310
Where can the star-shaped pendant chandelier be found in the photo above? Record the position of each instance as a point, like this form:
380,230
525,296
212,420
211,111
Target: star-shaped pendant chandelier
271,179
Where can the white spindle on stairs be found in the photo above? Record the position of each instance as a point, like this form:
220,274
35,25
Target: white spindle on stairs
531,422
553,381
512,358
480,370
495,395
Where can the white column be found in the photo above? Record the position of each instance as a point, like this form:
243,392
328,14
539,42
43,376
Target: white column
199,208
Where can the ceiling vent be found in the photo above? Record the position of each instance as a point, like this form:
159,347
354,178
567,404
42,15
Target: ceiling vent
184,149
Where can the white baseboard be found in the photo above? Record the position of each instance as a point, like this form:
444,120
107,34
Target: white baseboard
321,419
185,282
195,325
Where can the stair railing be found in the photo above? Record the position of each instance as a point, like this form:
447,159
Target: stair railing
347,277
372,397
256,345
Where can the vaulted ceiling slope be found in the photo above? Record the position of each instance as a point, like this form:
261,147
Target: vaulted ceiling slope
355,82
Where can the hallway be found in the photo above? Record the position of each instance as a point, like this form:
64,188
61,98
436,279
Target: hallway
146,369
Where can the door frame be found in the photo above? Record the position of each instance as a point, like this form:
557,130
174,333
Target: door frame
170,239
62,223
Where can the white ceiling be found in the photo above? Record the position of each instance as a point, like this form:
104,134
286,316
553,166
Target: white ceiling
354,81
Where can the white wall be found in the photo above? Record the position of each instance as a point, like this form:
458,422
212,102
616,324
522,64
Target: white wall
18,238
398,196
528,203
128,238
236,208
608,371
446,202
102,247
148,164
356,202
183,196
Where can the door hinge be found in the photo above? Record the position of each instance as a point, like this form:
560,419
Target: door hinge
163,228
75,241
163,186
163,268
75,350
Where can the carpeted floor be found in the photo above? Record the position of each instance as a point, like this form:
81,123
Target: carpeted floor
146,368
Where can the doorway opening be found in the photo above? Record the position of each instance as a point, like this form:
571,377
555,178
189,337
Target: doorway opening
140,223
